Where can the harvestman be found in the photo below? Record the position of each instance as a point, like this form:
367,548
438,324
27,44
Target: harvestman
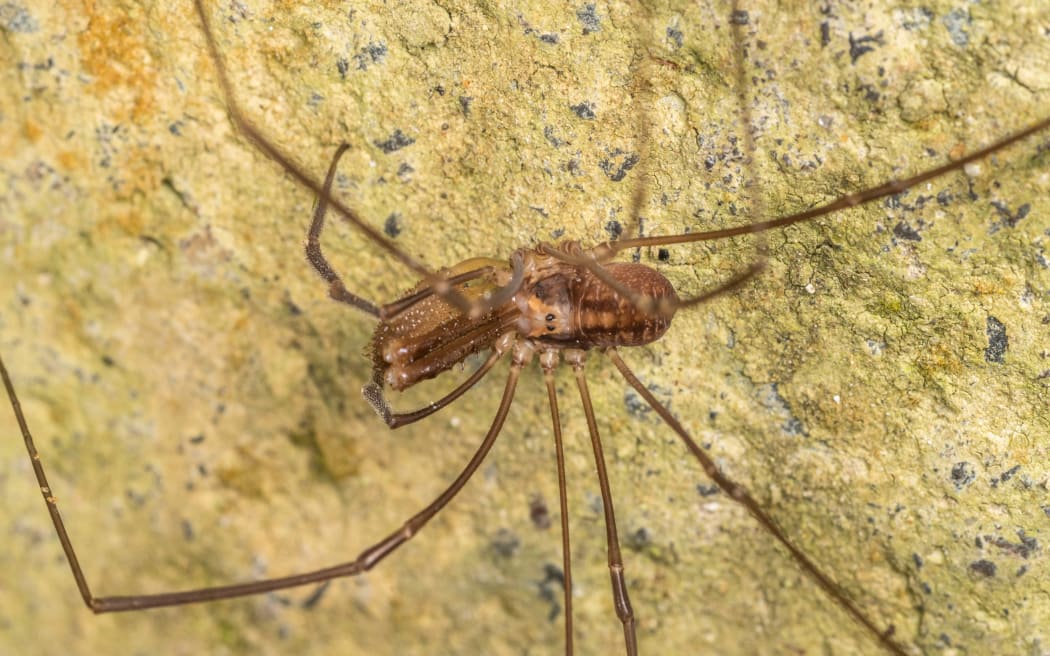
550,302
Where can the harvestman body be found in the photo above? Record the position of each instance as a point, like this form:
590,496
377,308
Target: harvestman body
554,301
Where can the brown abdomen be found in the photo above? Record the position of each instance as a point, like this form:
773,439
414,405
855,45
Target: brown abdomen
604,318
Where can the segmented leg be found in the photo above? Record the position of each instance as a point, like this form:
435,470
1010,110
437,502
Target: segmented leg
604,252
739,494
373,393
437,284
366,560
548,361
608,250
621,601
336,289
248,129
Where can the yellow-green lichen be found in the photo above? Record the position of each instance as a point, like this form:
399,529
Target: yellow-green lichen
195,393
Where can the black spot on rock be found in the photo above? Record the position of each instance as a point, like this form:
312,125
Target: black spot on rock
396,141
588,17
584,110
392,225
997,340
904,231
983,567
962,474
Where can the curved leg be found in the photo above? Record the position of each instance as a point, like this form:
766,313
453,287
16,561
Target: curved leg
365,561
548,360
607,250
592,258
271,151
336,289
739,494
619,584
440,286
373,393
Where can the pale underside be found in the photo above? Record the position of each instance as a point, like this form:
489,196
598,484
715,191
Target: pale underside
196,394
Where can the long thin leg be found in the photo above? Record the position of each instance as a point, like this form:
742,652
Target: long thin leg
549,360
365,561
594,257
606,250
603,252
263,144
749,193
738,493
45,489
750,197
440,286
619,583
336,289
643,130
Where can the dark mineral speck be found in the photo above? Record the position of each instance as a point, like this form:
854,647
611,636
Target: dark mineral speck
539,514
315,597
392,225
705,490
635,404
588,17
584,110
550,589
396,141
983,567
962,474
675,36
618,164
904,231
639,539
862,45
373,53
14,18
505,543
997,340
552,139
1009,473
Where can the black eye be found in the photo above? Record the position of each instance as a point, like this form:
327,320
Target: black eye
550,317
